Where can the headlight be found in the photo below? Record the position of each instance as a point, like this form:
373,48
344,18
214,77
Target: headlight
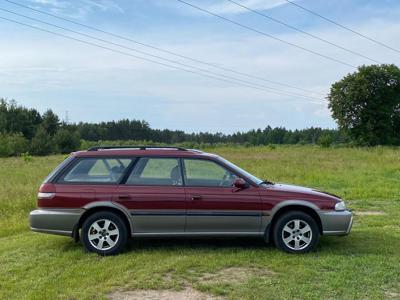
340,206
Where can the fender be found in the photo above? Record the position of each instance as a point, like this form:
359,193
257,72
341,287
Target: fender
111,204
266,223
299,202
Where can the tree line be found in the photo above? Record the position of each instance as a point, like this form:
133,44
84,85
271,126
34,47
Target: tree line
365,105
26,130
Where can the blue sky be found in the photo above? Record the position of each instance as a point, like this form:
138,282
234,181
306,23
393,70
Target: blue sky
43,71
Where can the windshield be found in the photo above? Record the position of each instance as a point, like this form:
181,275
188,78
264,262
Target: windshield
241,171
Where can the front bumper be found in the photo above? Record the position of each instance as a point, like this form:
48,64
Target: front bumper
60,221
336,222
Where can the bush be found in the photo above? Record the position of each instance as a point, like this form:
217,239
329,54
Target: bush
66,142
302,142
13,144
26,157
325,140
41,143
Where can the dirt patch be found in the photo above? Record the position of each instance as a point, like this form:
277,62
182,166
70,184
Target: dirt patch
392,295
168,277
187,294
235,275
369,213
232,275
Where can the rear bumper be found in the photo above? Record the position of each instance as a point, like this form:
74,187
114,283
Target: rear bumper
336,222
58,221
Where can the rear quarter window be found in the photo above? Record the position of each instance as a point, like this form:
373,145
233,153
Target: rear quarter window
96,170
58,169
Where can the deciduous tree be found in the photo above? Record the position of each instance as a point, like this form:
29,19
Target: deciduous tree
366,104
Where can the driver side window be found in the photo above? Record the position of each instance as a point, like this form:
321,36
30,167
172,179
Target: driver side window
200,172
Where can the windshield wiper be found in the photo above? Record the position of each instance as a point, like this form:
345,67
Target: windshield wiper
267,182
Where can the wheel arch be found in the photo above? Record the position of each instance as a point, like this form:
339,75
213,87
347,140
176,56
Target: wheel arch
292,205
94,207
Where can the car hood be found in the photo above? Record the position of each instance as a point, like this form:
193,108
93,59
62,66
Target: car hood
303,192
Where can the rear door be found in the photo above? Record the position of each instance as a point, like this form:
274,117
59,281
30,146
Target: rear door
155,196
214,205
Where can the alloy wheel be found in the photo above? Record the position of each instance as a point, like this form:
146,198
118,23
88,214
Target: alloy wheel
103,234
297,234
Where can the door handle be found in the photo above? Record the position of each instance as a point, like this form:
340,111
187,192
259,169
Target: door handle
123,196
196,197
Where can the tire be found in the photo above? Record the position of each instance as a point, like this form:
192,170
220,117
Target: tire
296,232
104,233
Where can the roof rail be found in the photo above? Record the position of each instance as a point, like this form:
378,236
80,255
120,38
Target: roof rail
195,150
96,148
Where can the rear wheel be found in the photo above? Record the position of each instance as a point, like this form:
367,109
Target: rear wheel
296,232
104,233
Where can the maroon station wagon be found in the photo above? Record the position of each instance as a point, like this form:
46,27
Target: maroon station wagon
106,195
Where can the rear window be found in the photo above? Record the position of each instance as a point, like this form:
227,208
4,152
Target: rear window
97,170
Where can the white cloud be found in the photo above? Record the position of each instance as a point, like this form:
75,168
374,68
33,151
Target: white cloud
226,7
57,3
220,7
103,5
78,9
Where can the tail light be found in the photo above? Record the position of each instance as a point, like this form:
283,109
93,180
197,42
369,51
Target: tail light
46,191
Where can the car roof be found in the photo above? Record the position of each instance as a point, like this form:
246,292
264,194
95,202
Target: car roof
142,151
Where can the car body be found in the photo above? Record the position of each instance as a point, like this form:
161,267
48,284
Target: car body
107,195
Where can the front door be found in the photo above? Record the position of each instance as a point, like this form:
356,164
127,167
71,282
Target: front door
214,205
154,195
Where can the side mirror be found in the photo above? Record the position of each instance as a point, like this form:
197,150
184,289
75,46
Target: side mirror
240,183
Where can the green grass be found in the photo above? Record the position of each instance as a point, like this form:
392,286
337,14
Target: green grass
363,265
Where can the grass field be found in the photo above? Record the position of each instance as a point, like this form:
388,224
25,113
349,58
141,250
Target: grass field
363,265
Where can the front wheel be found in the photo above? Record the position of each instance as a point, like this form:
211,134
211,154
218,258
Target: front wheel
104,233
296,232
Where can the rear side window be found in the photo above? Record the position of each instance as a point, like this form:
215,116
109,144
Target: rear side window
156,171
97,170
